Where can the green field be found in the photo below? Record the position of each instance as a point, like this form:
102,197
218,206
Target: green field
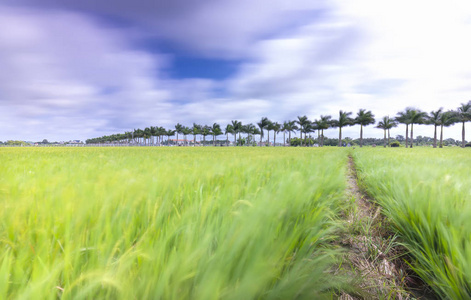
220,223
169,223
426,194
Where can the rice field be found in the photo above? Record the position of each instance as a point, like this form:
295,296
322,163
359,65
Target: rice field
426,194
169,223
220,223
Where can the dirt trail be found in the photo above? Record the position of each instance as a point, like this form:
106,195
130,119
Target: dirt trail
373,254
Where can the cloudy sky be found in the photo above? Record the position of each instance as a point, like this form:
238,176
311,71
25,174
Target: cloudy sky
80,69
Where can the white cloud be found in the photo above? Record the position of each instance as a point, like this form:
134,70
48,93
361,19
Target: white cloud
367,54
67,76
63,76
212,27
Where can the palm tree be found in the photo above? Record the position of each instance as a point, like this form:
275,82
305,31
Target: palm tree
403,117
137,134
315,126
386,124
321,124
249,129
178,129
160,133
310,127
237,126
128,136
186,131
344,120
269,127
416,117
303,122
196,130
364,118
215,131
446,119
285,128
146,135
291,127
276,127
262,125
434,119
255,131
206,130
392,123
153,132
170,133
382,125
229,129
464,115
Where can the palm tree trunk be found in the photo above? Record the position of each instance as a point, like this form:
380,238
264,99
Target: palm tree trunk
435,137
268,134
361,135
284,138
340,136
227,139
412,135
462,136
194,140
389,137
441,136
322,138
235,139
385,138
274,138
301,137
261,136
289,138
407,134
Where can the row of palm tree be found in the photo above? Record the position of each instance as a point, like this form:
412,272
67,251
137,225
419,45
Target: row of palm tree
409,117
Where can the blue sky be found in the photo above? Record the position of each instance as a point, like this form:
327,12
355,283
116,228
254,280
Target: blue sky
81,69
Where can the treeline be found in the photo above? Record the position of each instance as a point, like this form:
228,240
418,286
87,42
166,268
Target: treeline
13,143
245,134
44,142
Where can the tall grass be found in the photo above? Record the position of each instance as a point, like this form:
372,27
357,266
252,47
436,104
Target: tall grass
202,223
427,195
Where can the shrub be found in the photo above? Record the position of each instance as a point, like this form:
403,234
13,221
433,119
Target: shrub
395,144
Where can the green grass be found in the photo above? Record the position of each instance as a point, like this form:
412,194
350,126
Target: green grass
154,223
426,193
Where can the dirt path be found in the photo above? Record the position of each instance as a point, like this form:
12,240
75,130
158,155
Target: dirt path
373,255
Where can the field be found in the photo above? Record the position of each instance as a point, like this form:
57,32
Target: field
221,223
169,223
426,195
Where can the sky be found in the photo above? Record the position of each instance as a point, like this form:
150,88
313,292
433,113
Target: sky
82,69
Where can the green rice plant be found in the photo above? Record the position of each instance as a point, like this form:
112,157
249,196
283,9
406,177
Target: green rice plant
173,223
427,196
